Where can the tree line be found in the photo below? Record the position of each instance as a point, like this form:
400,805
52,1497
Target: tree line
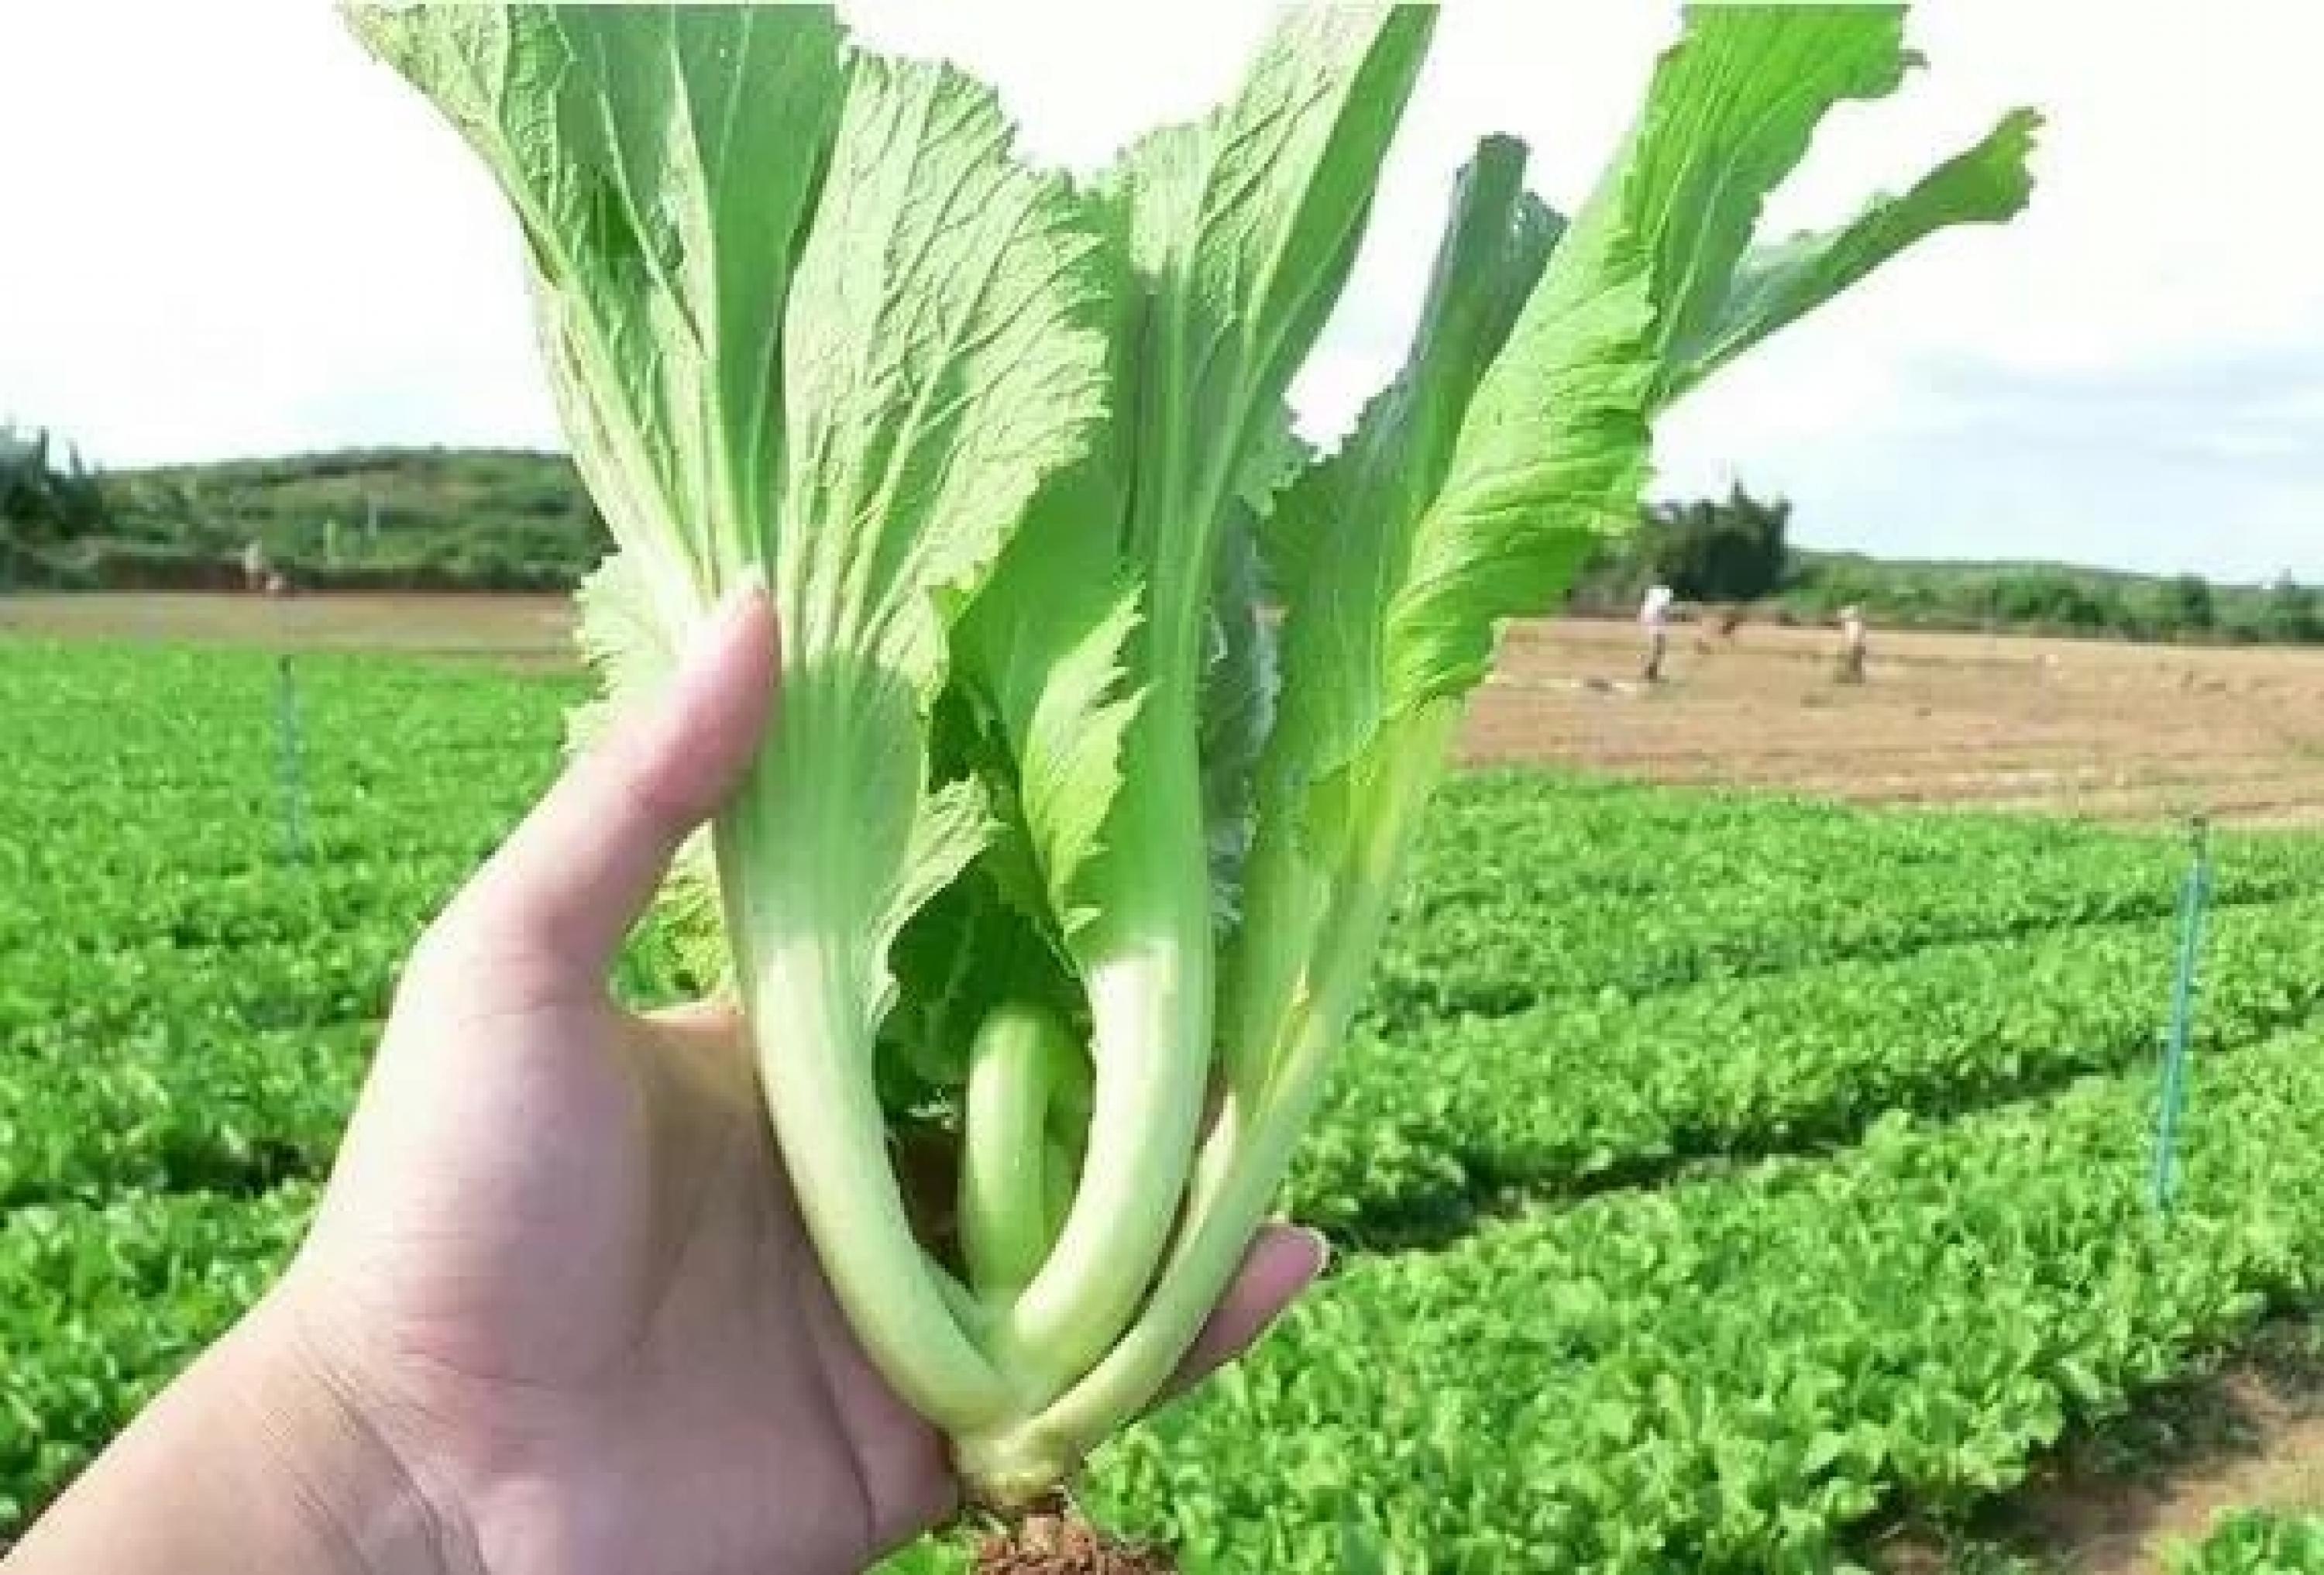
1734,554
49,498
353,519
445,519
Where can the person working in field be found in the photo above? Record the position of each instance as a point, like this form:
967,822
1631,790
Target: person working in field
1654,625
1851,645
558,1310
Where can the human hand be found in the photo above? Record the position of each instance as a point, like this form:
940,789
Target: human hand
559,1273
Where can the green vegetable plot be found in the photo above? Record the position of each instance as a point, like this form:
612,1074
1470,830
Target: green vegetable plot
1725,1370
1725,1376
1424,1125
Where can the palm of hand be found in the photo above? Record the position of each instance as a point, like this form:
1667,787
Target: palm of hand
615,1325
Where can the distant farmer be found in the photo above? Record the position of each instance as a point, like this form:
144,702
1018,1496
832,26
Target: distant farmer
1851,645
1654,622
255,568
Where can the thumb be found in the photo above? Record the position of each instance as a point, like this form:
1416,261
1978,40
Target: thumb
564,889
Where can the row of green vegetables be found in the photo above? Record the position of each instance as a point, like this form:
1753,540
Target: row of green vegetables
1521,896
1730,1373
377,878
394,765
177,1110
2253,1541
1528,893
1456,950
158,717
238,1074
1420,1128
231,1058
96,1003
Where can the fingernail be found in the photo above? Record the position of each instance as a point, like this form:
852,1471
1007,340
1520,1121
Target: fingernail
1321,1243
749,587
738,601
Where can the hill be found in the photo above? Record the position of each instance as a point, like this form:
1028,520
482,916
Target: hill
2051,599
493,520
404,518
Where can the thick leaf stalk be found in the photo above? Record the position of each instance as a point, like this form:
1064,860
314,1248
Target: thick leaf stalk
1015,1178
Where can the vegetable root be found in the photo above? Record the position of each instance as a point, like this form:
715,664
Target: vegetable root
1053,1539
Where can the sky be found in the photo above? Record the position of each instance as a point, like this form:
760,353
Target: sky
236,235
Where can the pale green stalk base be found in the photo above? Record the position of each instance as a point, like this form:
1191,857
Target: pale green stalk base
1244,1161
832,1134
1148,972
1008,1188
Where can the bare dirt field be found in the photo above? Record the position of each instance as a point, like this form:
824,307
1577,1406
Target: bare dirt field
2093,728
521,628
2108,730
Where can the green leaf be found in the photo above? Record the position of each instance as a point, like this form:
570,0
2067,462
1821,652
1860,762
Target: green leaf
624,641
1239,681
1242,228
1774,285
1043,648
1241,668
664,163
1555,449
804,310
1474,488
629,647
1338,546
944,357
1340,542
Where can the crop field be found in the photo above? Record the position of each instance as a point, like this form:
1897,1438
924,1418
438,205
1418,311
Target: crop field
1720,1178
2097,729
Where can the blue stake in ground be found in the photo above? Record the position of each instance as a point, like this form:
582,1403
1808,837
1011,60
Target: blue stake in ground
2193,900
289,761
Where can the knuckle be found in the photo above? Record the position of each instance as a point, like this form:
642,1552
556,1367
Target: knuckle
643,794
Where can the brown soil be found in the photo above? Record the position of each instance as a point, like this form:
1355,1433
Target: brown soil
1055,1541
2249,1436
2121,1528
527,628
2089,728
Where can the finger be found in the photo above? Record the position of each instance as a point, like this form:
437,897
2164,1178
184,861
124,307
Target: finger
1283,1261
569,883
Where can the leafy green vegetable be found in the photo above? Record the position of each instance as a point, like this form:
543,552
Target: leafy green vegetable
1051,850
2252,1541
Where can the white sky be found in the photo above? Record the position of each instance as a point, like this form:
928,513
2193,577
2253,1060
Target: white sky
235,234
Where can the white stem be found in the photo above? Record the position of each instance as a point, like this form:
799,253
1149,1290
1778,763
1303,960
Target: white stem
814,1043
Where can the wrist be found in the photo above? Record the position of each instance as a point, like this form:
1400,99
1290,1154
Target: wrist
261,1458
327,1447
